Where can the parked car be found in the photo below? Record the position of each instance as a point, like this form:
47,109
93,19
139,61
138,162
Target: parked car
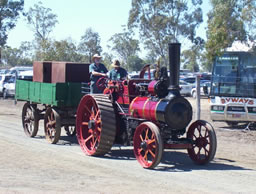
3,79
26,75
4,71
9,88
186,88
206,76
17,70
191,80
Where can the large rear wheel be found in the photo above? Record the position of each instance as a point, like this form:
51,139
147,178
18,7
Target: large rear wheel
30,120
204,141
96,124
52,126
148,145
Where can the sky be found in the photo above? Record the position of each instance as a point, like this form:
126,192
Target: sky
105,17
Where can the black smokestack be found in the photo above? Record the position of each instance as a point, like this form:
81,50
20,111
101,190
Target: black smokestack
174,67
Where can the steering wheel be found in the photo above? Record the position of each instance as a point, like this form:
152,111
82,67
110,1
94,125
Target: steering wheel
102,83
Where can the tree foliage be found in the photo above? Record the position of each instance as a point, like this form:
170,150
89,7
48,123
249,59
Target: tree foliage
192,57
15,57
249,18
64,50
124,45
163,21
135,63
225,25
107,59
41,20
90,44
9,12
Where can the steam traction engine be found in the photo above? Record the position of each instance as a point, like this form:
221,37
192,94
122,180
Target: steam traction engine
150,115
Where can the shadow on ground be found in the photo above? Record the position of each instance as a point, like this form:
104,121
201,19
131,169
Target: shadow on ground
176,161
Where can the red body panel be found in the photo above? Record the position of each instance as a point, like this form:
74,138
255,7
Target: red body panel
143,107
121,87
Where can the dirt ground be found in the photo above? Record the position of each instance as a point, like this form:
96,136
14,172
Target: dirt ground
31,165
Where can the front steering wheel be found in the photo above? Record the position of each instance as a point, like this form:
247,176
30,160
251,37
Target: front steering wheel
102,83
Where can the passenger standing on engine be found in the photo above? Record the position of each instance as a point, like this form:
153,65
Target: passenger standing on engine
97,70
117,73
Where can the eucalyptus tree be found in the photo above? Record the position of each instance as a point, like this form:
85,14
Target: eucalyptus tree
63,50
90,44
107,59
41,20
192,57
225,25
9,12
160,22
15,57
135,63
125,46
249,19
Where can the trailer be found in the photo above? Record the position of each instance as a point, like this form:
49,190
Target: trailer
53,96
55,103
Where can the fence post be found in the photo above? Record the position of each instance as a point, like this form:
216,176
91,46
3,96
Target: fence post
198,109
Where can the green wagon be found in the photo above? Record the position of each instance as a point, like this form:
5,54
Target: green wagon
55,103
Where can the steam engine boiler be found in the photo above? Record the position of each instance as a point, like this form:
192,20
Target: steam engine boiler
150,115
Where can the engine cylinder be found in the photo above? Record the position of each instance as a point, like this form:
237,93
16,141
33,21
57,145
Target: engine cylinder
175,112
151,87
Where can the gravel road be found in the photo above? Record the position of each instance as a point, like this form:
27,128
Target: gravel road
31,165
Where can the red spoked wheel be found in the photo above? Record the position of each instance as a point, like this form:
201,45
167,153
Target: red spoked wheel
148,145
30,120
204,141
96,124
52,126
102,83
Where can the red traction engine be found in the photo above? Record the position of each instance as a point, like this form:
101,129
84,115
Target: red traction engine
151,115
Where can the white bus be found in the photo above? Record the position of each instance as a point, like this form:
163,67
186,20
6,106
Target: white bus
233,88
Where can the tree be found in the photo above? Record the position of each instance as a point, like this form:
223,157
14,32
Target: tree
163,21
135,63
124,46
64,50
249,18
15,57
90,44
26,48
107,59
225,25
41,20
192,57
9,12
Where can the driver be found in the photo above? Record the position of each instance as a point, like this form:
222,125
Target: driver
117,73
97,70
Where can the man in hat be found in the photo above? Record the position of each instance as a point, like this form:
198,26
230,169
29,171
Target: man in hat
117,73
97,70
